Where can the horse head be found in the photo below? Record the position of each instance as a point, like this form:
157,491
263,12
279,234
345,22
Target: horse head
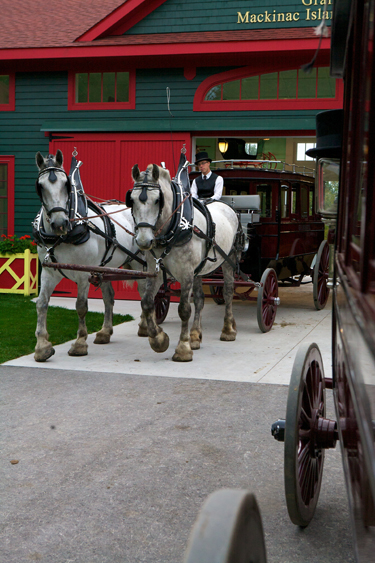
53,188
151,202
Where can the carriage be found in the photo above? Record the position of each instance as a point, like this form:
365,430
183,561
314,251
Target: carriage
306,432
285,235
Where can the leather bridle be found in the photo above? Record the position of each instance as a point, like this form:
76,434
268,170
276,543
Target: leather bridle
145,186
52,178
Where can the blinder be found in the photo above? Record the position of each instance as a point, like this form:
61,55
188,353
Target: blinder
128,199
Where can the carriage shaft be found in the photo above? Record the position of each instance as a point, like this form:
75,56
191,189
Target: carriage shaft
118,272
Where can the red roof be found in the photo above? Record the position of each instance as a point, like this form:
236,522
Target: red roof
207,37
27,24
32,23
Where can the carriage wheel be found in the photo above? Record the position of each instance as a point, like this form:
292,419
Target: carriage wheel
228,530
267,300
217,294
320,276
303,458
161,301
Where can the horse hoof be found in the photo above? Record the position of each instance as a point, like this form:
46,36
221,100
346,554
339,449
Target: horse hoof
78,351
228,336
43,355
186,358
183,352
160,343
142,331
102,338
195,340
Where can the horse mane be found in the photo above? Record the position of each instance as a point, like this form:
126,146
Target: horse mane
163,173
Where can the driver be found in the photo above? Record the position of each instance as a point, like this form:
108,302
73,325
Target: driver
208,186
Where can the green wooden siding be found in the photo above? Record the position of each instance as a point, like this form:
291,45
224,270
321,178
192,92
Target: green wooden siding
221,15
41,103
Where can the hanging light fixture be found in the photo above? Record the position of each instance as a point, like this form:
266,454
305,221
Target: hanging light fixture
223,146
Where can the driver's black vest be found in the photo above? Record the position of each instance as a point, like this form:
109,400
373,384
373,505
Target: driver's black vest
206,188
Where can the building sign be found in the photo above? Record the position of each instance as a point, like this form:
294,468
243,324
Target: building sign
310,11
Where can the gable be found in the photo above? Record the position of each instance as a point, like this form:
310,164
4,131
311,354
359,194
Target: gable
220,15
146,17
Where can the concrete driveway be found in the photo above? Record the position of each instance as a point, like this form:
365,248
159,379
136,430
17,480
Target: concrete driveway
117,451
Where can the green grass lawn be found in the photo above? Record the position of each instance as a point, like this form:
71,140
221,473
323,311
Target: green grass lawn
18,324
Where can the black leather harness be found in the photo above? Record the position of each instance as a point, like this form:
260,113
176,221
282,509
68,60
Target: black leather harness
77,211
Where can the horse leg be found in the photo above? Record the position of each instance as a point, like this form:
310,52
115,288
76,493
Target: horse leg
79,347
183,352
43,348
229,331
142,326
196,329
105,333
158,339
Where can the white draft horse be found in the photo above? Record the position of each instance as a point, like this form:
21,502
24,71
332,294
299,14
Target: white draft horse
151,200
54,189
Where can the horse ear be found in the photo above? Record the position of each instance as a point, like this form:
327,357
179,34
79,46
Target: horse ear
135,172
39,160
155,172
59,158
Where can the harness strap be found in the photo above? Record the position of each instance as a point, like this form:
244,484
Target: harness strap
116,244
51,254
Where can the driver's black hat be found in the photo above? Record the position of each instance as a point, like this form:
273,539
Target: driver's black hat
329,126
202,156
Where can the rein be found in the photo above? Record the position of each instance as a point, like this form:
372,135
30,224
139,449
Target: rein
171,215
105,215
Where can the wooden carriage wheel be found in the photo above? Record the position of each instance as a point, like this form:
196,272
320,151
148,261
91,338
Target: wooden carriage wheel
267,300
217,294
228,530
320,276
303,455
162,301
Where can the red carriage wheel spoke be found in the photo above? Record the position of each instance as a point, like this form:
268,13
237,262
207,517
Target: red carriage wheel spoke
267,294
304,460
320,276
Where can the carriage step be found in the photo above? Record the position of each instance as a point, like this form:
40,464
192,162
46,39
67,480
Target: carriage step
278,430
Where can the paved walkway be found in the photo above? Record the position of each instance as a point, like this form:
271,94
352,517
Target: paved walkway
253,357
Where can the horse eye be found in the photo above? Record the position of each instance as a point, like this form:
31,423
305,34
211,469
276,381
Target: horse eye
156,201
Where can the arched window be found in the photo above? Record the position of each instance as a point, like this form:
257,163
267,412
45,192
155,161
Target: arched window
240,90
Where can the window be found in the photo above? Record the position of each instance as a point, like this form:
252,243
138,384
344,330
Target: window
285,205
6,195
7,92
287,84
265,192
101,90
237,90
301,151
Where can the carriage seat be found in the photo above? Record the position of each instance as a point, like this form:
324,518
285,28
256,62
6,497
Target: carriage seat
242,202
247,205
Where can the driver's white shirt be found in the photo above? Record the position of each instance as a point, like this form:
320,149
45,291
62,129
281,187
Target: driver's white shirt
218,189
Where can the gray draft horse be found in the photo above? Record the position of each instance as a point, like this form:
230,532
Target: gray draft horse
53,187
152,204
